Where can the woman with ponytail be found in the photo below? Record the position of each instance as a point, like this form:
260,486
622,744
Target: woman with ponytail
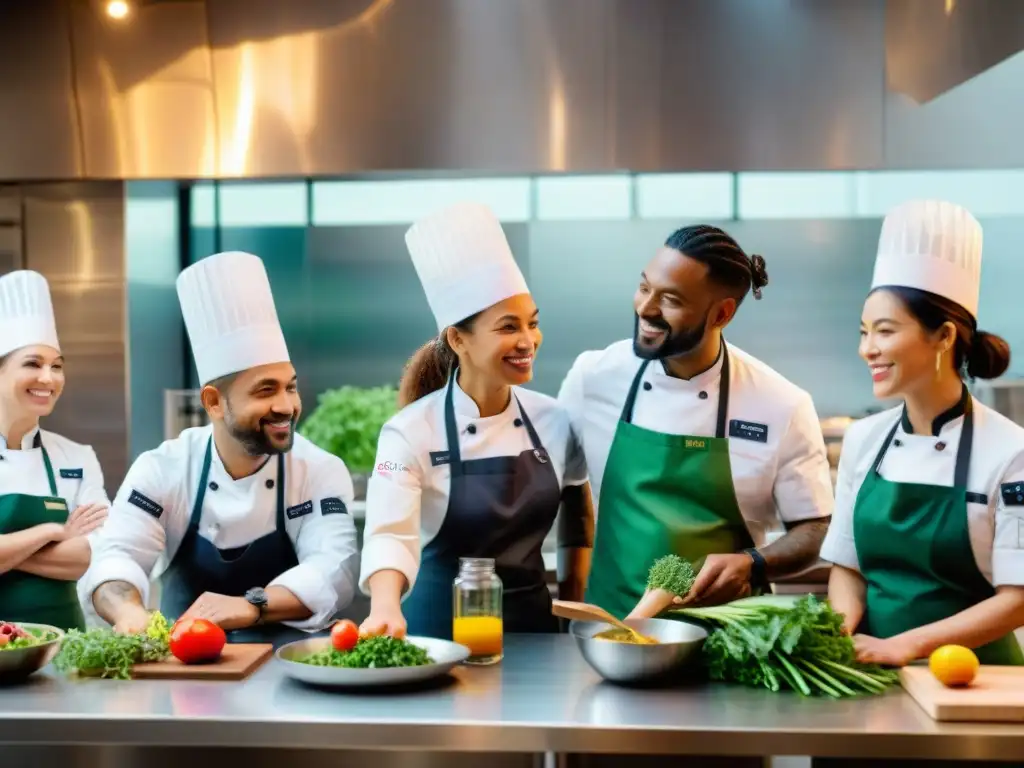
473,465
926,537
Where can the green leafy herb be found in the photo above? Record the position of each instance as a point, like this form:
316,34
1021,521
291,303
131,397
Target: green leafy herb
672,574
105,653
786,643
372,653
347,422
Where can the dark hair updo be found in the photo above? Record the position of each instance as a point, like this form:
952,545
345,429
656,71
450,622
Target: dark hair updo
978,354
728,265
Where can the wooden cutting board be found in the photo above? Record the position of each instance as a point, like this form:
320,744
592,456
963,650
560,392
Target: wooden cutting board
995,696
237,662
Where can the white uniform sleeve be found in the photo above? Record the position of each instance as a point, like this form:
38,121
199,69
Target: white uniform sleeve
91,491
570,394
575,460
391,539
1008,543
839,546
803,483
133,536
326,547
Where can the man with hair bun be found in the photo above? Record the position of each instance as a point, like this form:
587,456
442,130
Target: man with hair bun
928,535
694,447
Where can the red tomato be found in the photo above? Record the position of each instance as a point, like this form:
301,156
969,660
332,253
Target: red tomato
344,635
196,641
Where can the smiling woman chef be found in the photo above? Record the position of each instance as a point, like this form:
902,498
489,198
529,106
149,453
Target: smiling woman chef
249,520
704,452
473,465
928,533
43,476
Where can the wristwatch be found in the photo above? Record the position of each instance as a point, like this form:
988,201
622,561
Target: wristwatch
257,596
758,572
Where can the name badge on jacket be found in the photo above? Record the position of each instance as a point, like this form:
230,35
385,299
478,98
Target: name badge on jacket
748,430
299,510
71,474
439,458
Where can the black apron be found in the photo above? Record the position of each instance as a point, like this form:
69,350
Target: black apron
501,508
198,566
25,597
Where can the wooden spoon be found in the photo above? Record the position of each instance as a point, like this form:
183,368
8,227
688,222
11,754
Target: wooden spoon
568,609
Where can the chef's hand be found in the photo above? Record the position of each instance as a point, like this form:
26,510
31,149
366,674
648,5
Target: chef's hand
223,610
132,621
84,520
386,619
723,578
893,652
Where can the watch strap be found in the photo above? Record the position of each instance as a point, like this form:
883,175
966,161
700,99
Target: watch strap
759,570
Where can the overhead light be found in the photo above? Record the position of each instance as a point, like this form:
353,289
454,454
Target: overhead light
117,9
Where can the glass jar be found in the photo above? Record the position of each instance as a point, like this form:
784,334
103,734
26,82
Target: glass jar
476,619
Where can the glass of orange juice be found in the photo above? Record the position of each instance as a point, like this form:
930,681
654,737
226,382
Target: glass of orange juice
476,619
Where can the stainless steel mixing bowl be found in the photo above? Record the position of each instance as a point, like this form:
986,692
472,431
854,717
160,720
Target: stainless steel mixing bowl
19,663
678,650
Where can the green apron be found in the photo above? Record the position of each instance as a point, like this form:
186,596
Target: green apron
915,553
662,494
25,597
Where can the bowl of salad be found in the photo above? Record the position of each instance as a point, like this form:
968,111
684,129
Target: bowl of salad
346,660
26,648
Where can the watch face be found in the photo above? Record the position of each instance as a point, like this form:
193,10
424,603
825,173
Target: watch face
256,596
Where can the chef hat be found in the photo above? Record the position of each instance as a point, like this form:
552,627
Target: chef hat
26,312
933,246
230,315
463,261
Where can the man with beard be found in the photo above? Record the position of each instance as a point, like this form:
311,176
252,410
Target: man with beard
244,522
696,448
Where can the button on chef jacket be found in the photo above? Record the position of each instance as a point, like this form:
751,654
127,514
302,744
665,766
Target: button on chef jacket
995,482
75,468
407,494
151,513
776,449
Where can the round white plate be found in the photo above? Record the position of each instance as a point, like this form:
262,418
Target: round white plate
444,653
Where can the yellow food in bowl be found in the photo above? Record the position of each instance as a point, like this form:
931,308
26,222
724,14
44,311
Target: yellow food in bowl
622,636
953,665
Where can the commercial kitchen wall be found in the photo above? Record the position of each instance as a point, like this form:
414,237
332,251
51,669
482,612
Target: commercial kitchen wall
354,311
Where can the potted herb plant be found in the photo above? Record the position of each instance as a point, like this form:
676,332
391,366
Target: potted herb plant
347,422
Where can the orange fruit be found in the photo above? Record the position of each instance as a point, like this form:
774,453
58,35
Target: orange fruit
953,665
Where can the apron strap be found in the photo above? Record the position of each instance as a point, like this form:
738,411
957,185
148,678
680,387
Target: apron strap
538,446
37,442
452,434
280,492
963,451
204,477
723,394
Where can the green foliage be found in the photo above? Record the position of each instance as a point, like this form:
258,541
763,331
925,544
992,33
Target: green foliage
347,422
779,643
372,653
673,574
105,653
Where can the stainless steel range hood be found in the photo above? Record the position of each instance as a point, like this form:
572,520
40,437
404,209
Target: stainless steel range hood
244,88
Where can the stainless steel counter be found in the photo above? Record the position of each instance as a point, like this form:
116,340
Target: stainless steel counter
542,698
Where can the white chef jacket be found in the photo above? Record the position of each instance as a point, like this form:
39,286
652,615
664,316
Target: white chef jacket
995,482
783,477
407,495
135,545
75,469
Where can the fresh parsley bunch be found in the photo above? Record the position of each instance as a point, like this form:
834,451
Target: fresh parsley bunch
105,653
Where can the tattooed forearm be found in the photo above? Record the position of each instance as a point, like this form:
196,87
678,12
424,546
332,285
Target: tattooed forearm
111,598
796,550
